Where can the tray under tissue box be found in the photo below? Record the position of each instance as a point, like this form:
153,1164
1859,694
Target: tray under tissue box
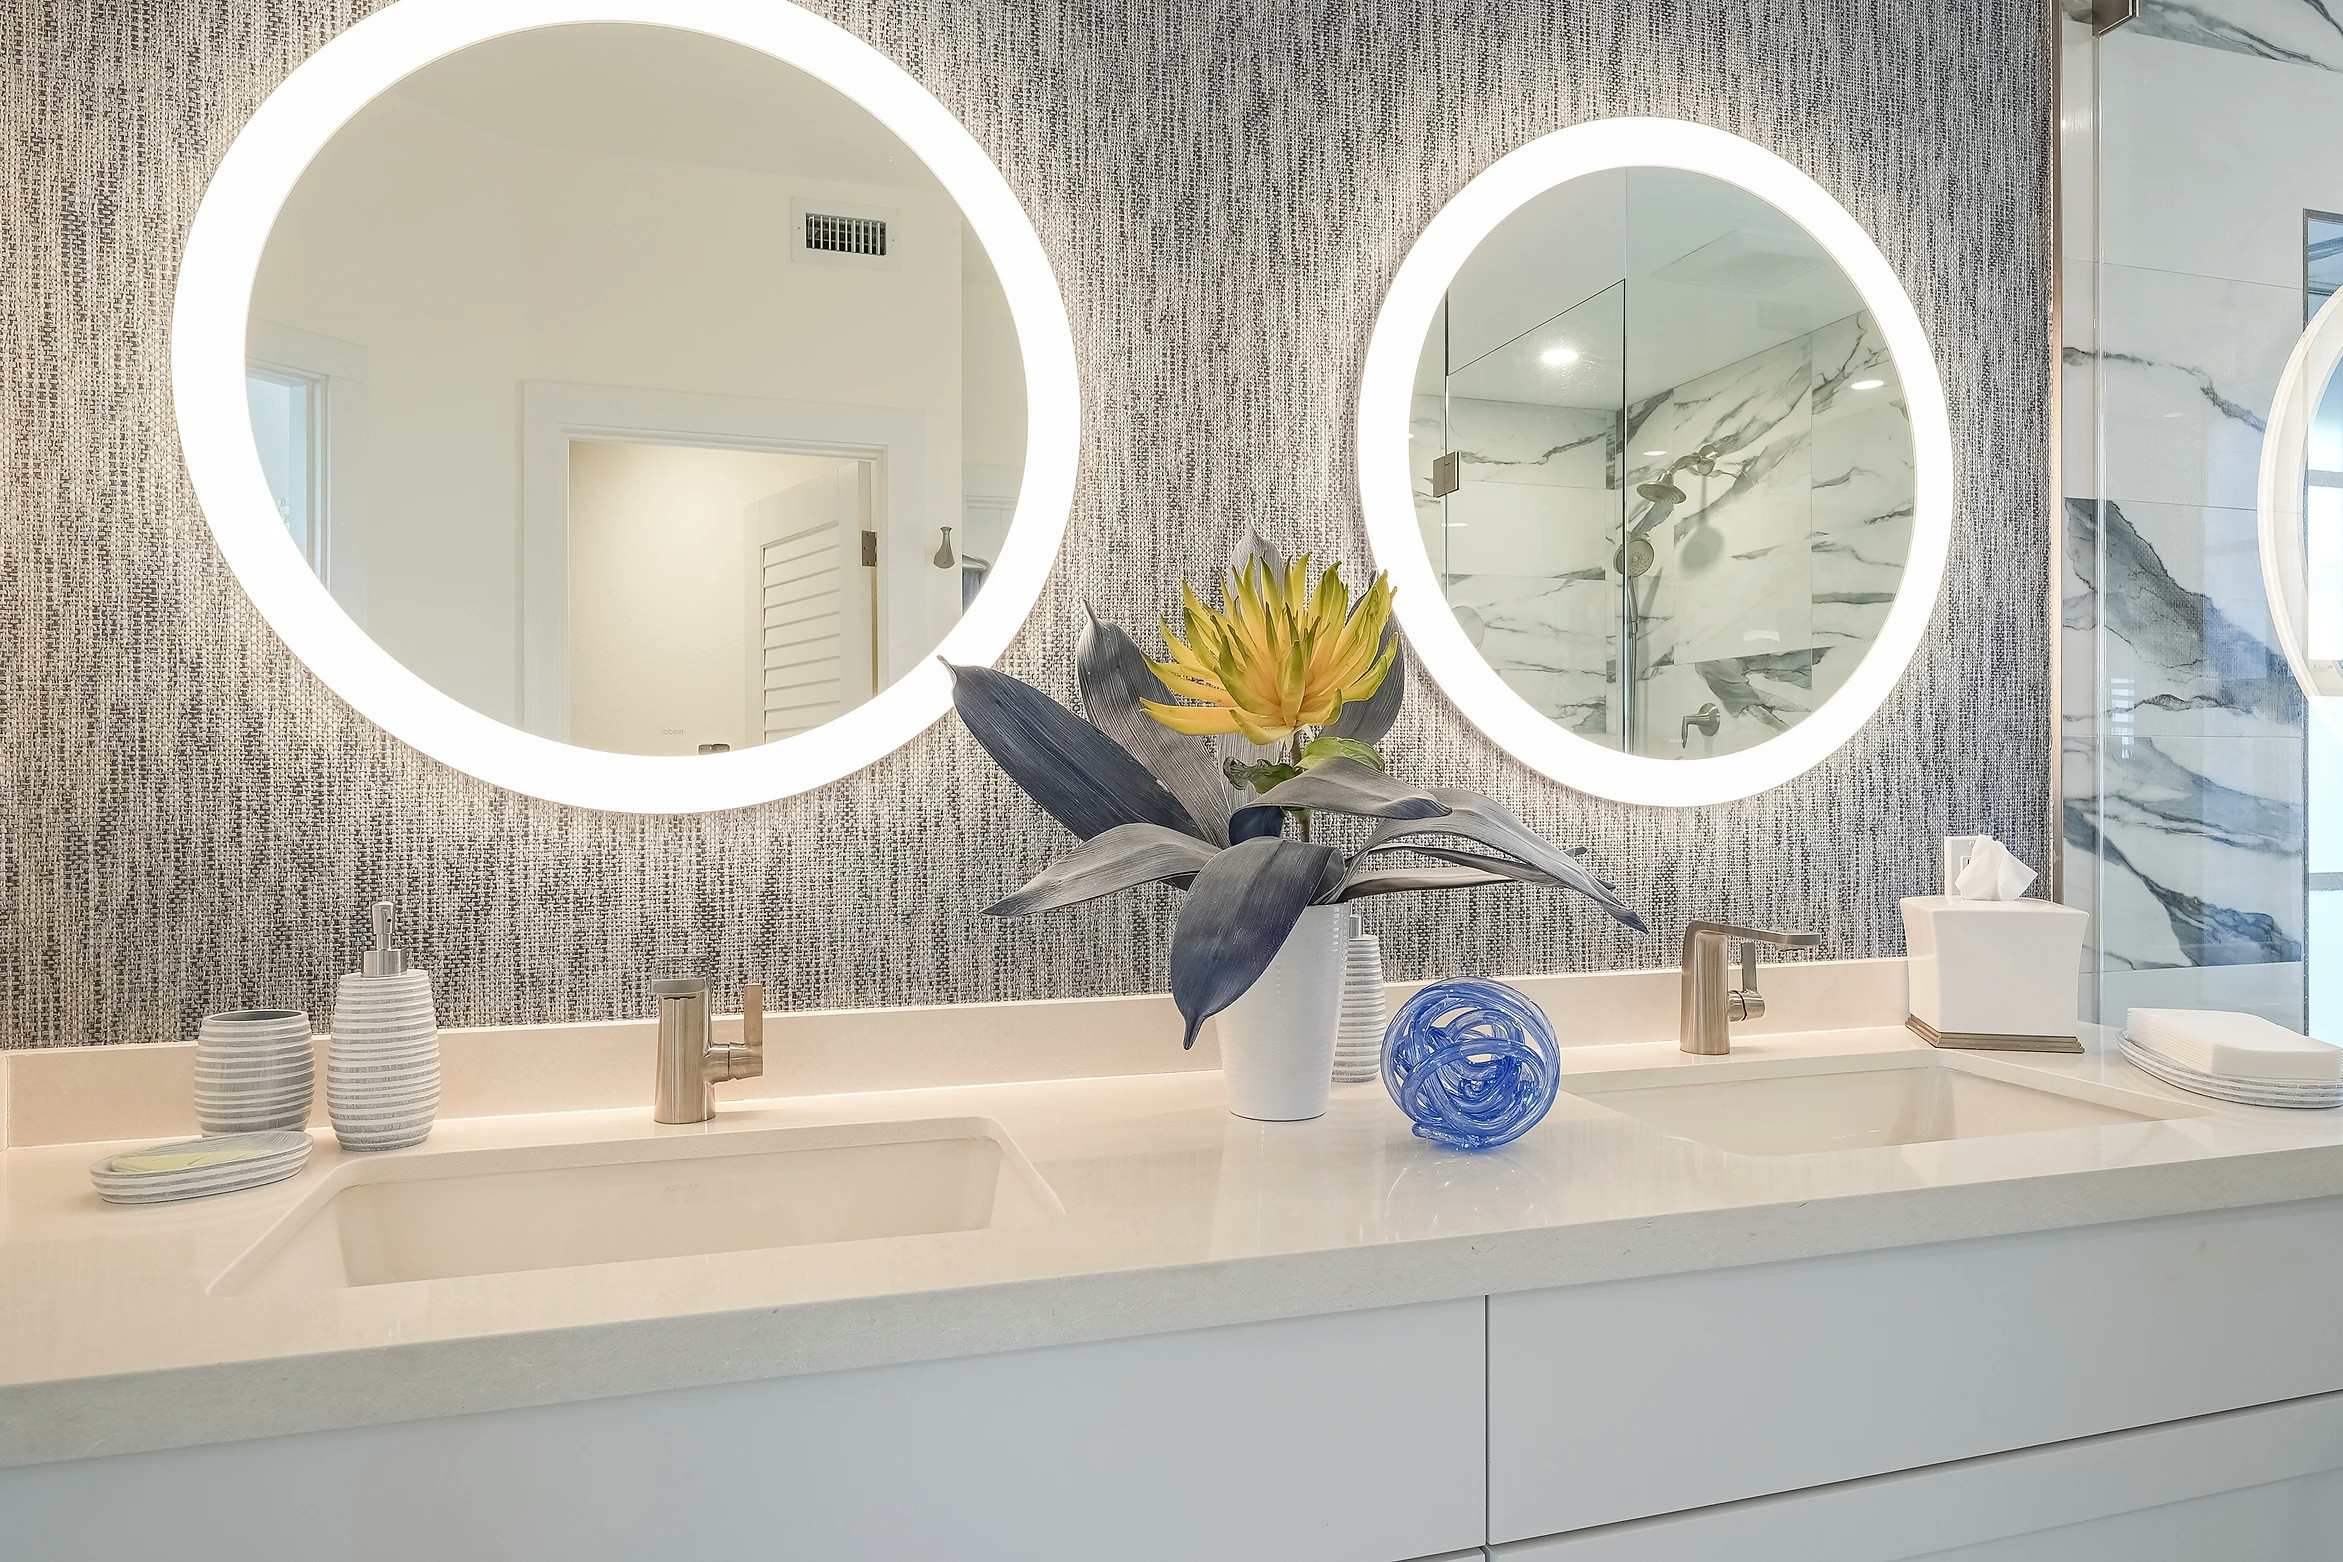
1995,973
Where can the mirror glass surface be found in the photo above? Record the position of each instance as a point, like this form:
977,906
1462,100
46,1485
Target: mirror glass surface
636,389
1663,463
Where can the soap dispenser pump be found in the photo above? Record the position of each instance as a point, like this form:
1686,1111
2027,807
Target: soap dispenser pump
382,1062
383,959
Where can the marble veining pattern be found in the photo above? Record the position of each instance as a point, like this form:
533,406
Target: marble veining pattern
2293,32
2195,808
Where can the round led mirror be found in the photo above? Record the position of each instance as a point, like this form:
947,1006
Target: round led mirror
1654,449
2301,505
627,404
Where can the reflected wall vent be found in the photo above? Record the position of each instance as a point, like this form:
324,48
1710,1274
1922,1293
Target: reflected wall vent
832,234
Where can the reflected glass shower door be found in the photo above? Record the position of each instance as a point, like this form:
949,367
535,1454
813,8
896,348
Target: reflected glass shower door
1530,536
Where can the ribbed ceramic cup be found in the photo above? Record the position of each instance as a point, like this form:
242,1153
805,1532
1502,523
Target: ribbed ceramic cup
382,1069
254,1071
1358,1031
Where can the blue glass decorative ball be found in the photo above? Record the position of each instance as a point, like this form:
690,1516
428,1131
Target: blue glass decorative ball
1473,1063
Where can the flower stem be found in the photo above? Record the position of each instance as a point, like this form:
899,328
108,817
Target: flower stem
1293,757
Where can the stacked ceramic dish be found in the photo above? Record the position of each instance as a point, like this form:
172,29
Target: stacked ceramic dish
253,1071
382,1068
198,1168
2234,1057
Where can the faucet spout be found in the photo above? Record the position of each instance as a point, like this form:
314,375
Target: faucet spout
1708,1006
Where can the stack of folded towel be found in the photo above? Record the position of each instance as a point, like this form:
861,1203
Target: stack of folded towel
2234,1057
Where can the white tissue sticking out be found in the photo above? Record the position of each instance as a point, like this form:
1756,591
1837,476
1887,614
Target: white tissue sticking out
1988,872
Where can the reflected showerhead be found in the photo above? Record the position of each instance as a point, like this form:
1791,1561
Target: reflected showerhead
1661,492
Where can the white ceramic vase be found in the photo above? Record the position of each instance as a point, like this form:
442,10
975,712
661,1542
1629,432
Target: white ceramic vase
1277,1041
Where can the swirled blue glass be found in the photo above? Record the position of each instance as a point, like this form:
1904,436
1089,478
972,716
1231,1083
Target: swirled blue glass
1473,1063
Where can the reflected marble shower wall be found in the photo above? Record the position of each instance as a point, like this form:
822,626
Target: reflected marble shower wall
1774,575
1767,583
1526,544
2187,826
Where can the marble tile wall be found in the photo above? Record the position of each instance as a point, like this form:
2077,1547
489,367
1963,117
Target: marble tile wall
2186,802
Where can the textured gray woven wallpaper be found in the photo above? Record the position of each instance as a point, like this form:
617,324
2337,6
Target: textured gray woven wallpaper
1225,188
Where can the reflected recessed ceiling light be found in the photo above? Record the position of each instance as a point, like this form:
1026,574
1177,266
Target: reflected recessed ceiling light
1559,357
1655,452
1867,385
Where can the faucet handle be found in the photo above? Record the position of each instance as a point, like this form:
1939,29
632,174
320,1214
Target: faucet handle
1745,1002
747,1059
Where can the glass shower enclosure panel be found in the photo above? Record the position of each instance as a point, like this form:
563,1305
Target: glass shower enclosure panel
2202,823
1529,533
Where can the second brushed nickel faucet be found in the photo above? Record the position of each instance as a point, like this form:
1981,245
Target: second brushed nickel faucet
1709,1006
690,1062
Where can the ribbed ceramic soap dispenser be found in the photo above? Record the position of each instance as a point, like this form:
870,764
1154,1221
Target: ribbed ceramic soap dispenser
382,1067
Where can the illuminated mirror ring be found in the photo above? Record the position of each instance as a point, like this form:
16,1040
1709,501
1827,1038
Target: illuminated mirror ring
1386,488
208,346
2301,520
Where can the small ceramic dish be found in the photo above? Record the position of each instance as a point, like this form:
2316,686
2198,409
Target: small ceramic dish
195,1168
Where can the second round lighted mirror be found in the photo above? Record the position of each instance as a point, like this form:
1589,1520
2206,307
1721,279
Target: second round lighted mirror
1653,446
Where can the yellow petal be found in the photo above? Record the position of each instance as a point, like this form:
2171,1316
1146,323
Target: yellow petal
1365,686
1197,721
1185,657
1186,687
1257,732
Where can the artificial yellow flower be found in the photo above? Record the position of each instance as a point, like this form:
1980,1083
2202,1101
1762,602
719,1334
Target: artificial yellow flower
1277,656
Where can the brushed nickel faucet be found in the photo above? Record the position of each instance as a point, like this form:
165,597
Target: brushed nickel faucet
690,1062
1709,1006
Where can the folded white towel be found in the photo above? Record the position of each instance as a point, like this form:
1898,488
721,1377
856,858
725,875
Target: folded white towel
2233,1046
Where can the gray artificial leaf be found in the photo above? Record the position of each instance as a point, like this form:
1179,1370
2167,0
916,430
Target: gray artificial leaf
1492,824
1252,545
1236,917
1081,777
1503,867
1370,719
1115,677
1341,786
1398,881
1121,858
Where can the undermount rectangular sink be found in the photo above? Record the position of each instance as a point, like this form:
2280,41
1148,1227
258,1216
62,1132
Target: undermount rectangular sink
483,1212
1806,1106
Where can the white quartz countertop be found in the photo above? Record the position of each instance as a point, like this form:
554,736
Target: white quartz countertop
1176,1216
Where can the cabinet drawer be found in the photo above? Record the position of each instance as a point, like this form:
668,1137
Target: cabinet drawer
2262,1485
1621,1401
1353,1438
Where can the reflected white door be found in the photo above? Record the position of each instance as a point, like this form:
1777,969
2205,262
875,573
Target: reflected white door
810,603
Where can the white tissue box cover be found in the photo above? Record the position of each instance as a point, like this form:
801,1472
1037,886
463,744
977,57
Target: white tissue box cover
2233,1046
1995,967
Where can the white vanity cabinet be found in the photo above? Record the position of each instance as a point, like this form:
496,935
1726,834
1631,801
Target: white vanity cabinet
1350,1438
2154,1391
1619,1404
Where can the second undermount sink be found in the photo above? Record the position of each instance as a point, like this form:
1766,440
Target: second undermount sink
484,1212
1803,1106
